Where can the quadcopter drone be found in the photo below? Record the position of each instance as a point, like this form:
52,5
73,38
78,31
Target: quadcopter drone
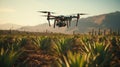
61,21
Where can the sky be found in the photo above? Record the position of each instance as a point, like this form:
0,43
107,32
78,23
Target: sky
24,12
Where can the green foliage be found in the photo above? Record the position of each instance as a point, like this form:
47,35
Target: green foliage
70,51
63,46
96,54
99,54
9,56
10,50
76,59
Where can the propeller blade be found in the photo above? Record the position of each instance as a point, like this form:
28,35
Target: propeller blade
46,12
52,17
43,11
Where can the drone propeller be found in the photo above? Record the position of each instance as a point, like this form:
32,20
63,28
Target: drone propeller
47,16
46,12
82,13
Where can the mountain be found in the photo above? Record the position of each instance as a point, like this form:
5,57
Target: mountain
103,21
9,26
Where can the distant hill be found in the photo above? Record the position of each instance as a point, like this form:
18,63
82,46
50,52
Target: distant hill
104,21
9,26
44,28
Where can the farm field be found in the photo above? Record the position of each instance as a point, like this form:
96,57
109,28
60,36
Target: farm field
59,50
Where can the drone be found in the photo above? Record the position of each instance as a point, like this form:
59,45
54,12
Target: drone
61,20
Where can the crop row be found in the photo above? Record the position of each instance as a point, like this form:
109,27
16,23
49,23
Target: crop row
68,51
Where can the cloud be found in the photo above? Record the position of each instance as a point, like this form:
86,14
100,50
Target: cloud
7,10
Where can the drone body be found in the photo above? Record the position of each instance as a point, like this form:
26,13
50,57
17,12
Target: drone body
61,21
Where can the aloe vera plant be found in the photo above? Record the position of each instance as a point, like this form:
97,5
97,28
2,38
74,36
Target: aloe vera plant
63,46
10,51
98,53
8,57
76,59
73,60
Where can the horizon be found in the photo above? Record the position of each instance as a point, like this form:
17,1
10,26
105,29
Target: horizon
24,12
